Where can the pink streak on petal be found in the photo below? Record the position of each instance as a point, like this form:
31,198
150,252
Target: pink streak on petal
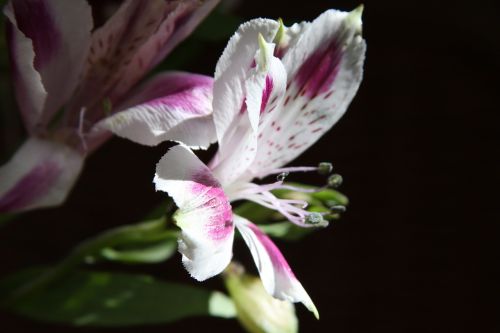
220,219
36,21
318,72
31,187
266,93
278,260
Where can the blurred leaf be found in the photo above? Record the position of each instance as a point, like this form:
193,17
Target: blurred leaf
87,298
161,210
154,253
331,196
286,230
257,213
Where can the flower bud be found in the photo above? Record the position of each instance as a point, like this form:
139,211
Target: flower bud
257,311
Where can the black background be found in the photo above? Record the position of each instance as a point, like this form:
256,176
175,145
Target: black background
417,250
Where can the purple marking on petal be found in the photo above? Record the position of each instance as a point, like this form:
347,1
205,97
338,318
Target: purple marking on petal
179,93
279,52
219,224
278,260
318,72
176,84
36,21
31,187
205,178
220,218
243,107
268,88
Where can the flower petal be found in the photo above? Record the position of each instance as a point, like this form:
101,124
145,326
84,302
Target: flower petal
59,31
138,36
233,71
204,214
40,174
275,273
324,62
173,106
28,87
264,89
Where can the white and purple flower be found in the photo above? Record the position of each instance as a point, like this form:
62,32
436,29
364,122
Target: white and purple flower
277,90
66,76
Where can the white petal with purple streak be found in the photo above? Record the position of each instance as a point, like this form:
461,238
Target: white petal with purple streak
204,214
173,106
60,34
233,70
138,36
324,61
275,273
40,174
28,87
264,88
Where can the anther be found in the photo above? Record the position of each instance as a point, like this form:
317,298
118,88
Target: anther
281,177
314,218
325,168
335,180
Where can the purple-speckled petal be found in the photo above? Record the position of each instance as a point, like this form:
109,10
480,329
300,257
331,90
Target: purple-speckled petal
138,36
40,174
264,89
324,64
204,214
59,34
233,71
275,273
173,106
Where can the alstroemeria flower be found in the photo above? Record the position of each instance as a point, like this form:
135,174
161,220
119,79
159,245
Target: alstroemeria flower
71,83
276,91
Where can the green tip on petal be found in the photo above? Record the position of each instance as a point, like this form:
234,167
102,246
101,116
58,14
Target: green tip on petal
280,33
354,17
263,51
313,309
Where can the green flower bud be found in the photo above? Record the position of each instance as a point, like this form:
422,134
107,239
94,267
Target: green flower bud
257,311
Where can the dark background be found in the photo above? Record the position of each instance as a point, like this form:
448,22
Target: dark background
419,147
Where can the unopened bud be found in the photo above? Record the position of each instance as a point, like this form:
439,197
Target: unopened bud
325,168
335,180
257,311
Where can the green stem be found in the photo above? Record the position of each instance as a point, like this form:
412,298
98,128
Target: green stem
149,231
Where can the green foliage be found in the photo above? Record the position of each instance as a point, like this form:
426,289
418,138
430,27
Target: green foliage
149,254
85,298
286,230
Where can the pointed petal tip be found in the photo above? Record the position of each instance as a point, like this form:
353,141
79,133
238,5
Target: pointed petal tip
262,43
314,310
262,59
354,18
308,303
280,33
